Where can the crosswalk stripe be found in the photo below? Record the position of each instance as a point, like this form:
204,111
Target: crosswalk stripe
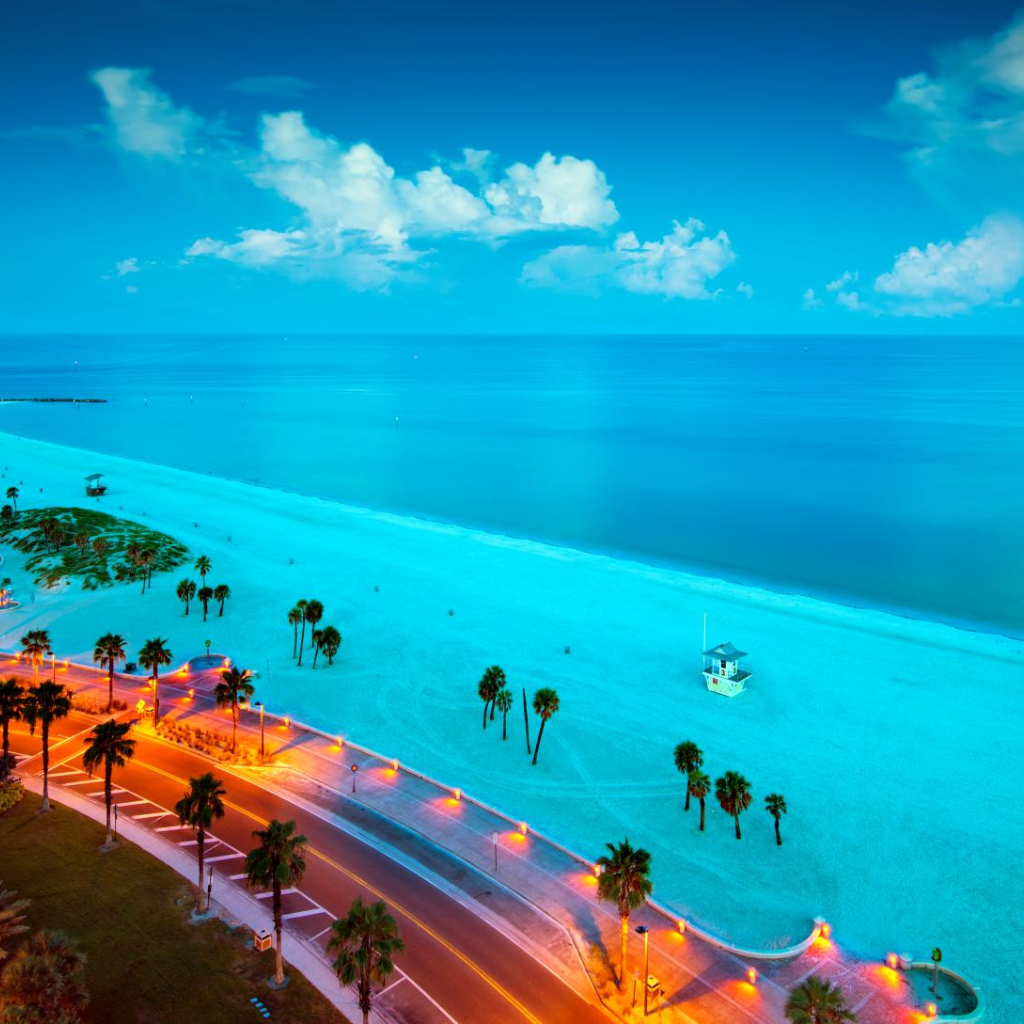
303,913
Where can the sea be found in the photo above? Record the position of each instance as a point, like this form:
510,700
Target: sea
885,472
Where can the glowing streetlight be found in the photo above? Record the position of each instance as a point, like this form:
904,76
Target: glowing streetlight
259,704
642,930
355,771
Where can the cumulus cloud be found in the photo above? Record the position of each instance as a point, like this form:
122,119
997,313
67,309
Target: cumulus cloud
284,86
745,289
144,119
810,301
128,266
680,265
847,277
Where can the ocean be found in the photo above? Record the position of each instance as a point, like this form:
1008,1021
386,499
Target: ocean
882,472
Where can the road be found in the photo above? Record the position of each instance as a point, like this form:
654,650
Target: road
457,967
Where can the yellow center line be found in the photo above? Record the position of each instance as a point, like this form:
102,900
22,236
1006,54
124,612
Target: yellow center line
422,925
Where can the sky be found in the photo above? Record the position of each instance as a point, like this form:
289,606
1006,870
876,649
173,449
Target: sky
398,167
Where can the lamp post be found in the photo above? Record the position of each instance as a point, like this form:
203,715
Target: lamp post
642,930
494,840
355,771
259,704
53,666
209,887
115,823
207,652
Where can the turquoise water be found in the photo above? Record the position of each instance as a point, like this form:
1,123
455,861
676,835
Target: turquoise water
880,471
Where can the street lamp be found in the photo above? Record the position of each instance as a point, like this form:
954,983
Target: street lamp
53,665
642,930
209,887
115,823
355,771
494,840
207,652
259,704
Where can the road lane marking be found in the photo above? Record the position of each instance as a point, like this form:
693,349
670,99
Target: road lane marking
130,803
170,828
151,814
226,856
303,913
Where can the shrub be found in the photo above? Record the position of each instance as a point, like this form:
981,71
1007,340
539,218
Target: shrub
10,794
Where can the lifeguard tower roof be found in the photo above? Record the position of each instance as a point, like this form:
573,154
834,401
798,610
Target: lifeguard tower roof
725,652
94,476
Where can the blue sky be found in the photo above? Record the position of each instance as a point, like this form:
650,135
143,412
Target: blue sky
224,165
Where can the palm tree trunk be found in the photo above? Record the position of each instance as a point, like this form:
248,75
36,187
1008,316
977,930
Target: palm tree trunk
778,835
504,725
220,614
686,807
295,637
737,818
316,653
302,640
201,849
46,765
6,739
107,796
540,736
702,814
485,715
494,700
156,696
204,610
365,997
234,727
622,957
110,688
278,961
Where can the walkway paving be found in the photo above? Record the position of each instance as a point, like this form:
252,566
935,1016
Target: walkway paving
528,886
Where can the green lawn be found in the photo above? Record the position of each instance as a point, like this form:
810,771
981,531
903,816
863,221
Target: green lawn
130,912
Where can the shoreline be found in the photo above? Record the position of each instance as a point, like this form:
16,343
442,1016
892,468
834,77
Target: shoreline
691,573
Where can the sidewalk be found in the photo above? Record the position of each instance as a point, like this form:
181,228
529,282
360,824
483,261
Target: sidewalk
525,884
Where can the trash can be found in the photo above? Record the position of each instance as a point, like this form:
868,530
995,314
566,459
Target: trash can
653,987
262,941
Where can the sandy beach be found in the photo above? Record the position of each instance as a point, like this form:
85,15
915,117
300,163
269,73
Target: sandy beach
892,739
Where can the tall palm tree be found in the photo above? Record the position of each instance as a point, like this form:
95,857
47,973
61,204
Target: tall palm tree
488,687
221,592
205,594
317,638
45,703
12,699
44,982
109,650
146,559
503,702
203,801
301,606
12,495
154,654
688,757
775,805
330,642
294,618
12,917
625,880
366,942
698,785
545,704
733,794
235,686
495,679
313,612
107,745
202,567
816,1001
278,861
81,541
186,591
36,644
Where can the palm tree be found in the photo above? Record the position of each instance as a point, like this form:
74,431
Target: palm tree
7,515
44,981
733,794
936,960
99,545
235,686
816,1001
625,879
110,649
317,637
221,593
495,680
301,606
313,612
330,642
45,703
146,559
503,702
12,495
278,861
186,591
775,805
82,541
36,644
12,700
366,942
294,618
488,687
689,757
153,654
545,704
107,745
202,567
205,594
202,802
12,914
699,785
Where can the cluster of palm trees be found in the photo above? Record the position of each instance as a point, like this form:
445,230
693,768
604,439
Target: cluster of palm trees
494,692
326,639
187,591
732,790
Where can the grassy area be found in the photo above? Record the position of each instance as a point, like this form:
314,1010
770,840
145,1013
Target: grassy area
130,913
48,536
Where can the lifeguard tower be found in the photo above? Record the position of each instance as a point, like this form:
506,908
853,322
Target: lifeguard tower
93,487
722,670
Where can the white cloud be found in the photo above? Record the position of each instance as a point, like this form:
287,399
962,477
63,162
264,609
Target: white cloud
145,120
851,301
131,289
953,277
810,301
841,282
284,86
680,265
745,289
128,266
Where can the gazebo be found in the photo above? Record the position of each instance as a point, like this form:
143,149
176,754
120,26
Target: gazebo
93,487
722,671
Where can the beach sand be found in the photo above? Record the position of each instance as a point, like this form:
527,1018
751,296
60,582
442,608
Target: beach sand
897,743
